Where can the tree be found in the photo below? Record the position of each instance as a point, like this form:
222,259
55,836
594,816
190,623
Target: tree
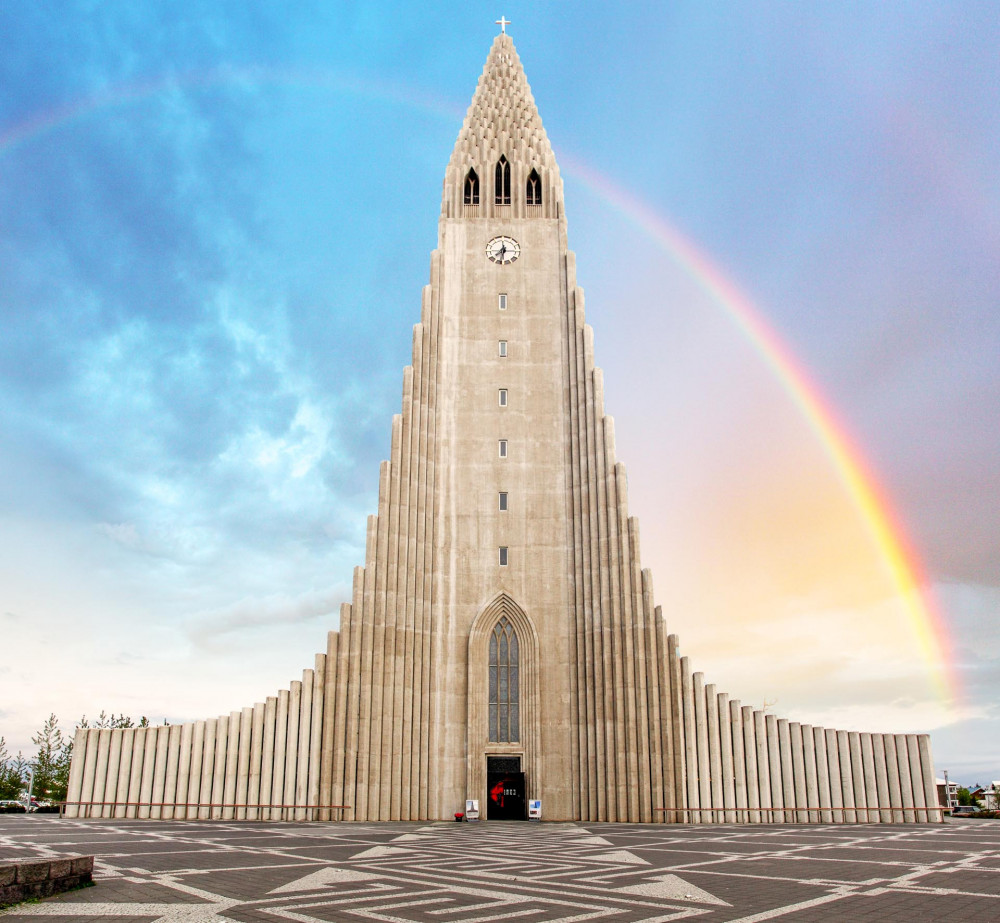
111,721
51,764
964,796
13,774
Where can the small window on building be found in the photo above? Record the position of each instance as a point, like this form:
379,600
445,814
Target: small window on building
503,448
503,301
503,501
534,188
503,397
503,555
472,187
502,346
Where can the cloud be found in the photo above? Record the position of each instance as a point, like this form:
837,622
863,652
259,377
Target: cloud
266,612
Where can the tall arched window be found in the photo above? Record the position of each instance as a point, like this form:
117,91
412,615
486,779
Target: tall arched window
534,190
504,702
472,187
501,182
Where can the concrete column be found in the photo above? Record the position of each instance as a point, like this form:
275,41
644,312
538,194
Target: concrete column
836,780
302,757
89,771
846,777
280,755
892,772
726,746
763,767
797,748
787,776
184,770
267,755
242,767
868,772
114,770
148,772
124,771
316,741
256,751
823,775
207,769
739,762
690,744
194,775
292,746
905,779
780,756
160,770
714,752
329,731
701,737
927,773
101,772
750,754
881,779
858,776
219,770
170,778
809,770
232,765
76,773
916,779
661,763
676,727
135,772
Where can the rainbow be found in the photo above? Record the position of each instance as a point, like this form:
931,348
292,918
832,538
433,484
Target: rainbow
900,560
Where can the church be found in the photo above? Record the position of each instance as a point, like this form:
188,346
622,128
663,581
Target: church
502,646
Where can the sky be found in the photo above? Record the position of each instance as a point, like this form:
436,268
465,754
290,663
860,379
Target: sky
215,224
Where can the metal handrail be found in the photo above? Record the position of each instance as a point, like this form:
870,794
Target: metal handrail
816,809
198,804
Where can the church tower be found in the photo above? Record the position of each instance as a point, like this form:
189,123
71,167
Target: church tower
502,642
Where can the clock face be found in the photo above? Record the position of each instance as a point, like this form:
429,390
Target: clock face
503,250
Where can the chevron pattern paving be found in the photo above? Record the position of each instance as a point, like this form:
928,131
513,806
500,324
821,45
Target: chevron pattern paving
159,872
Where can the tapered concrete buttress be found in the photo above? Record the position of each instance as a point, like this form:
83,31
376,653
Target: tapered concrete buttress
739,761
124,771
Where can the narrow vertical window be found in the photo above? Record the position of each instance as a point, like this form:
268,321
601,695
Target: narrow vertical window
502,302
502,182
503,501
502,347
472,187
534,188
504,687
502,394
503,448
503,555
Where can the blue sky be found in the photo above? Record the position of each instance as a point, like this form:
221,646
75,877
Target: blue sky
215,223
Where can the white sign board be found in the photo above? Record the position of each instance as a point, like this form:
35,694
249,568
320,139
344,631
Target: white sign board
471,809
535,810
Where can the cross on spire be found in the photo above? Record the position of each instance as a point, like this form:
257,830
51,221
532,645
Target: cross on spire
502,22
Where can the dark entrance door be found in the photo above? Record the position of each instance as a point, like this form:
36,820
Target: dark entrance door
505,789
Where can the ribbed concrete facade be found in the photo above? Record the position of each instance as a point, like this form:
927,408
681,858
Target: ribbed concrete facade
502,611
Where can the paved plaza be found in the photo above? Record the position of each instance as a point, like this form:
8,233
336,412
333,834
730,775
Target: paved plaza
472,873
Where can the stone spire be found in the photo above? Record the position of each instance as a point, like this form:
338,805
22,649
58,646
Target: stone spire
502,120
